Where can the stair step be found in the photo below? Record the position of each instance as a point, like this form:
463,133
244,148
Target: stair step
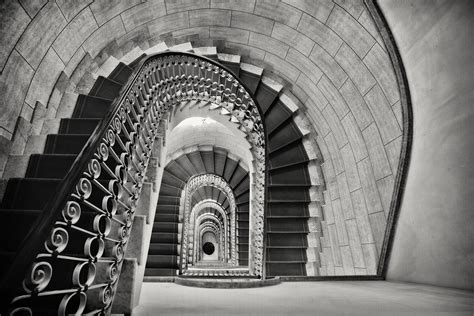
164,238
288,193
13,235
78,126
91,107
267,92
121,73
159,217
162,261
287,240
164,227
28,193
286,268
250,76
298,225
105,88
293,154
49,166
294,174
232,62
277,116
65,143
163,249
286,254
160,272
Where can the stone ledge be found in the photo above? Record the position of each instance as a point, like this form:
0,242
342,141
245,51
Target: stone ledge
230,283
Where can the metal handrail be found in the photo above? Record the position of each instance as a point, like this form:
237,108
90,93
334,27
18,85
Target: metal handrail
76,184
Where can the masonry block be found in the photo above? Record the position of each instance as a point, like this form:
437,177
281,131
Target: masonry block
20,136
237,5
293,38
74,61
369,187
173,6
328,213
16,18
328,65
335,154
251,22
168,23
312,91
319,33
144,207
103,36
35,144
379,63
342,238
350,30
278,65
71,8
27,112
357,104
371,258
305,65
312,268
279,11
378,223
383,114
355,244
350,167
362,217
105,10
319,9
386,186
345,197
376,150
45,78
335,125
39,115
16,70
393,150
368,23
72,36
268,44
125,291
67,104
16,166
336,253
355,69
229,34
41,33
208,17
50,126
347,261
316,117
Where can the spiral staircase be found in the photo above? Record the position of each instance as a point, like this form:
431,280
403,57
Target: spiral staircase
290,217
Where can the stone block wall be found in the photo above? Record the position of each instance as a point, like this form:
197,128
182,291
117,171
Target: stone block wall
329,53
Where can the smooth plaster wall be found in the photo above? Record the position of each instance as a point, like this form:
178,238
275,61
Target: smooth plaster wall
434,240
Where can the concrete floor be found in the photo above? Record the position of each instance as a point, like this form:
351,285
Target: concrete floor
306,298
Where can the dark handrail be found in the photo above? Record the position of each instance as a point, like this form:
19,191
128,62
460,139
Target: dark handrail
40,230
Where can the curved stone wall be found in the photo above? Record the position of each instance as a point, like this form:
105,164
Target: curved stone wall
329,53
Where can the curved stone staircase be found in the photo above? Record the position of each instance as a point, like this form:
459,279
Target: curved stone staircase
83,99
165,240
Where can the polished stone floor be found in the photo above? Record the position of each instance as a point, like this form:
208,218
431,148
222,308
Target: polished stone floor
306,298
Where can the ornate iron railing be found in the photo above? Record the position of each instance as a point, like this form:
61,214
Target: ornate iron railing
70,261
222,216
191,186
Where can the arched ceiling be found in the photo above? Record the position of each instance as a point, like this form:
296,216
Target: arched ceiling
192,128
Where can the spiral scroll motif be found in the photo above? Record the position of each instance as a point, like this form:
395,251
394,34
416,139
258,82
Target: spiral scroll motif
93,223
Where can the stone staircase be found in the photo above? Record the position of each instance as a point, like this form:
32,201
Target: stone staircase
80,100
167,229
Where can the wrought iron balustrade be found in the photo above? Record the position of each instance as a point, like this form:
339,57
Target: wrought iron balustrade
71,259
